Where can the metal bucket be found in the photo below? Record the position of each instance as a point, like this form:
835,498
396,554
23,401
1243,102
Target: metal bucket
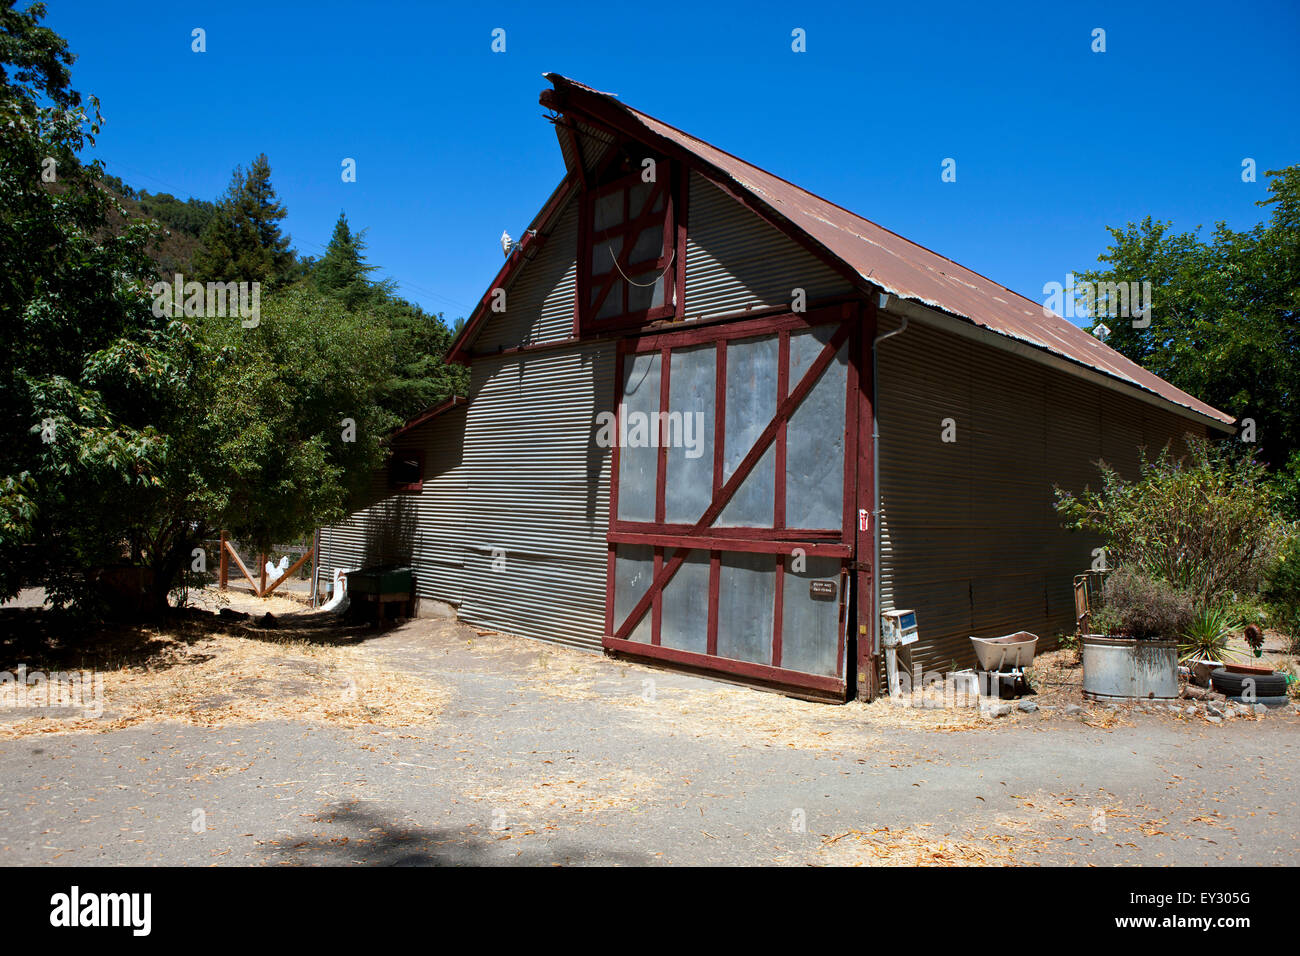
1122,667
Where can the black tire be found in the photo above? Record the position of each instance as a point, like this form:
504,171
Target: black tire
1236,685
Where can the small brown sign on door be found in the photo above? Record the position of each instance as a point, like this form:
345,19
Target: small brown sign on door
822,590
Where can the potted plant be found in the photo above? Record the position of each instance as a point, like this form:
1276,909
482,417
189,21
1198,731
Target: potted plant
1135,652
1204,644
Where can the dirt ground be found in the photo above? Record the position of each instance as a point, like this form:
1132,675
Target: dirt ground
299,740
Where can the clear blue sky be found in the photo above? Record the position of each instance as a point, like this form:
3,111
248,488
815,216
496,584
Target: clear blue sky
1053,142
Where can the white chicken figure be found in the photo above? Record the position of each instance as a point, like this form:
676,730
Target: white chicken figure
506,243
274,573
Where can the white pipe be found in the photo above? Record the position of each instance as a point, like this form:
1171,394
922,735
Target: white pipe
891,661
891,668
339,598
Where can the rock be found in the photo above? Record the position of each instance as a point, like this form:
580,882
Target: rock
1260,710
1072,709
1190,711
1214,720
1028,706
997,710
1214,708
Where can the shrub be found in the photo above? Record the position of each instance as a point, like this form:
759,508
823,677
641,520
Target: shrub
1286,485
1137,605
1283,590
1203,523
1206,638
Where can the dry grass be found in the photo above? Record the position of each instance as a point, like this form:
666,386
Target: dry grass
724,712
741,714
203,671
908,847
575,789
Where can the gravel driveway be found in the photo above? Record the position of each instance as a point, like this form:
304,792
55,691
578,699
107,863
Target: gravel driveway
545,755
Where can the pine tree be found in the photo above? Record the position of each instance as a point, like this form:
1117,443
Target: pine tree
243,241
343,270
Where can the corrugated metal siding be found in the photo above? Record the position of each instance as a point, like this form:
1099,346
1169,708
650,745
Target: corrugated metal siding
970,538
540,300
735,260
592,142
421,529
538,488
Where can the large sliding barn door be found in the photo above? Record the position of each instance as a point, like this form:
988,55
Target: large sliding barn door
731,518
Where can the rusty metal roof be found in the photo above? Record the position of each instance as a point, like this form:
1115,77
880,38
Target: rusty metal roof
899,266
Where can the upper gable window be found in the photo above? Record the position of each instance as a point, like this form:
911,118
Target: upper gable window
630,246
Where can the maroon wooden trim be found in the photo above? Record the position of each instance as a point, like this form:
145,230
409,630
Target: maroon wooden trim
715,586
619,120
620,360
852,435
782,387
761,672
428,415
661,466
867,665
842,621
731,534
657,615
610,570
736,329
457,352
629,229
784,410
826,549
778,611
719,413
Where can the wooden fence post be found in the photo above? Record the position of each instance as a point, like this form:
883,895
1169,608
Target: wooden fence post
224,575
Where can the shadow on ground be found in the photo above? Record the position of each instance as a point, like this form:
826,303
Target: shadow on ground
45,639
368,839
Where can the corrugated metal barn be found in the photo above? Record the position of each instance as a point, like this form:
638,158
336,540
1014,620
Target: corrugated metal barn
719,422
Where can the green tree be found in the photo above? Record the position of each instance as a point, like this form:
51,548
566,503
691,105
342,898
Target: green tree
84,363
292,424
243,242
344,272
419,376
1224,313
1202,523
126,436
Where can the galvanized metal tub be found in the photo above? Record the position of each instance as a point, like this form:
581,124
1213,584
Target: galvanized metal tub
1123,667
1003,653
